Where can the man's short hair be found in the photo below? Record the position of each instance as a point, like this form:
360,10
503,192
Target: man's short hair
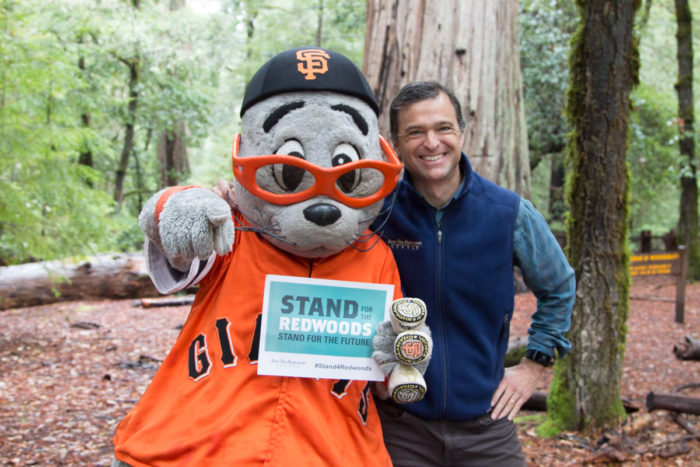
415,92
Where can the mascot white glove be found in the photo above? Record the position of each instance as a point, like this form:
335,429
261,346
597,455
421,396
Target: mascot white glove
188,223
402,348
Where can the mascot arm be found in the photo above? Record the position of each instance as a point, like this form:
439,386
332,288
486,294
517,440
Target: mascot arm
402,349
185,227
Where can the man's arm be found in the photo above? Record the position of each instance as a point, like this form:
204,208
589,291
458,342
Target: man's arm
549,276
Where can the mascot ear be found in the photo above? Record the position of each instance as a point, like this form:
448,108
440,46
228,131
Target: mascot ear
308,69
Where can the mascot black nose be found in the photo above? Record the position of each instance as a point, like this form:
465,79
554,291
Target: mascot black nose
322,214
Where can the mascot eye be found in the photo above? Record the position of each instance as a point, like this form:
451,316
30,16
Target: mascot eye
343,154
289,177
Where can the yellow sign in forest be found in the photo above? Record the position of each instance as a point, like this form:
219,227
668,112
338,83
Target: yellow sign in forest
653,264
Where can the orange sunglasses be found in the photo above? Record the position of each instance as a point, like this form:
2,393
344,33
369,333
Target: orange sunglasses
325,178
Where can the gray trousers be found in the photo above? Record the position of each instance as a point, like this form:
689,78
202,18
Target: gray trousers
416,442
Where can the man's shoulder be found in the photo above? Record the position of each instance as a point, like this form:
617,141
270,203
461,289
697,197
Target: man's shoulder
492,193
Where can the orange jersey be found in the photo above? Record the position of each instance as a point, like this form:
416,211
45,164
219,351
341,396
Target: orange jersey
208,406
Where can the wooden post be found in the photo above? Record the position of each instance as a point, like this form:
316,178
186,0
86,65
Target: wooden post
670,241
645,241
680,285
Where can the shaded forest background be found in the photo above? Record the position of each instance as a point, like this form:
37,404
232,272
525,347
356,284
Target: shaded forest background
104,102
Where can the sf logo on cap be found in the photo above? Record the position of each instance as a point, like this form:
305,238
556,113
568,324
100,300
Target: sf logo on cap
312,62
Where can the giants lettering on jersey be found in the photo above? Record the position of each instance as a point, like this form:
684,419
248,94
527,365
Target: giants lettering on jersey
200,364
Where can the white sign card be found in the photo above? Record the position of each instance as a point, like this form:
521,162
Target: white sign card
319,328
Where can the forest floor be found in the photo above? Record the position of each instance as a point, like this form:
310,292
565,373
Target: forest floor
69,372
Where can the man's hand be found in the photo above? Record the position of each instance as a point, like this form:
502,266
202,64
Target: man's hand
380,391
223,188
516,387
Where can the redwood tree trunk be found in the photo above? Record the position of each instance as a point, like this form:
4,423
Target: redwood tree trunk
688,220
604,68
472,47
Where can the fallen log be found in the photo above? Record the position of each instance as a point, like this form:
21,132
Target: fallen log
165,301
114,276
688,349
674,402
538,402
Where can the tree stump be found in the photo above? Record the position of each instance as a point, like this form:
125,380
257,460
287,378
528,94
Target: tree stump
688,349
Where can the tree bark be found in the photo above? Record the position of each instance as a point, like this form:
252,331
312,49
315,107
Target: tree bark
172,155
133,66
557,177
688,219
128,145
472,47
172,150
585,391
85,156
104,276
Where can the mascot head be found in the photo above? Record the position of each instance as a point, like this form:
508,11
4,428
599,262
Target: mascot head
310,168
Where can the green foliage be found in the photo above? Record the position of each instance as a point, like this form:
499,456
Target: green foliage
43,190
263,29
64,93
653,161
66,61
546,27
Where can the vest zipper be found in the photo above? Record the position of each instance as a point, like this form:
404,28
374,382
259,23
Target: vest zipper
439,297
311,267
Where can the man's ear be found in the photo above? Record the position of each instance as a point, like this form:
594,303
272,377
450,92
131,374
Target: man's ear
461,138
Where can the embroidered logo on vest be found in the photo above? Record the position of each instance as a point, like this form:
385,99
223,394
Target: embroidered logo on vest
404,244
312,62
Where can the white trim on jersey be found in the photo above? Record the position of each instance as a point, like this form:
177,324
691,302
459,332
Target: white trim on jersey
163,275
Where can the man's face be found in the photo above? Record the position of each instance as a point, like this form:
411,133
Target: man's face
430,142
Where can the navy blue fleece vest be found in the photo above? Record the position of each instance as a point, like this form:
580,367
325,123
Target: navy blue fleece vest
463,270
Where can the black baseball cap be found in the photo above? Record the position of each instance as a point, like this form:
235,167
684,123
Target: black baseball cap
308,69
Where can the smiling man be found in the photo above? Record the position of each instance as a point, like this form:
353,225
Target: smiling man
456,238
429,136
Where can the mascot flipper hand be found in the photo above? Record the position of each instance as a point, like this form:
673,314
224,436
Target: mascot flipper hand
191,223
311,174
185,225
402,348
